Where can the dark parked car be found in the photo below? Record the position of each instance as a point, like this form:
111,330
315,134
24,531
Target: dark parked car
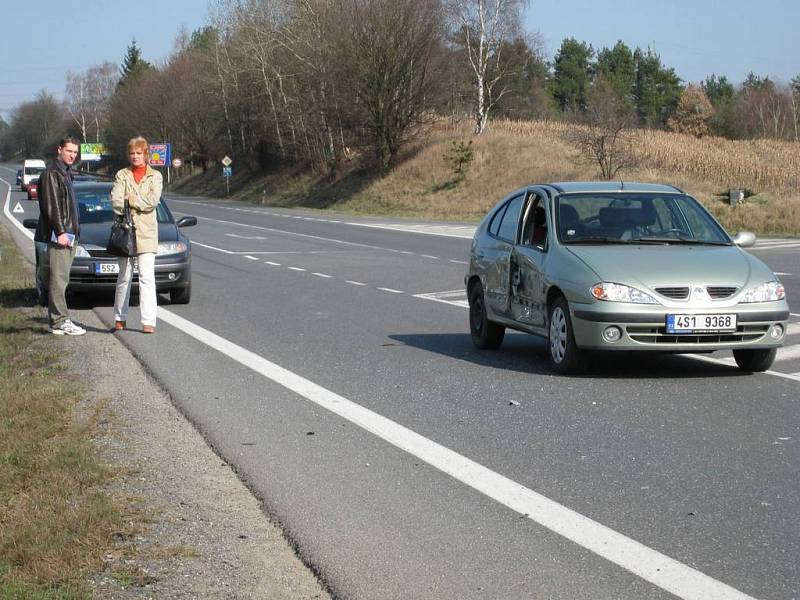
621,266
95,270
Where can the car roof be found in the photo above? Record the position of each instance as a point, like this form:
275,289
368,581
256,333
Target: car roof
571,187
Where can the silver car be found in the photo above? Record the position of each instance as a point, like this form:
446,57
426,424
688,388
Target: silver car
620,266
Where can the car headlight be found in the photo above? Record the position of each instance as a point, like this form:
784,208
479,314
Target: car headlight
81,252
171,247
616,292
766,292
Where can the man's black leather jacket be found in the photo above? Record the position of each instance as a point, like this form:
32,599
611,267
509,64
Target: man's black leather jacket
58,212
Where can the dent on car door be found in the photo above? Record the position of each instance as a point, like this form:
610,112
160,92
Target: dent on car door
527,297
503,232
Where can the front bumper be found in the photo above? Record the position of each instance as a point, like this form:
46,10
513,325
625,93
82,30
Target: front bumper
171,271
643,327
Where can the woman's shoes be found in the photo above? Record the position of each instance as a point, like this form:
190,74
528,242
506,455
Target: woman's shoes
148,329
119,325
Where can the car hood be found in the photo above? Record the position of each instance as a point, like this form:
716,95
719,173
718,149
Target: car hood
648,266
96,234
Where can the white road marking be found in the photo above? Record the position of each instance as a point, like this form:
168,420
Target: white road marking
212,247
458,262
355,282
323,275
459,231
274,264
295,269
28,233
792,328
429,256
454,297
390,290
247,237
18,209
652,566
250,257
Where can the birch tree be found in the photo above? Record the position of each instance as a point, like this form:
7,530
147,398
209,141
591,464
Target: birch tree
482,27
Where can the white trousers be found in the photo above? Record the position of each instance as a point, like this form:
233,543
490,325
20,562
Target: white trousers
147,288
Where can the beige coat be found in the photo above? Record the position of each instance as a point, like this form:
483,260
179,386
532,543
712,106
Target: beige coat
143,199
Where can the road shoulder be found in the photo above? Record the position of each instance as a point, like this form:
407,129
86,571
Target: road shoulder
203,534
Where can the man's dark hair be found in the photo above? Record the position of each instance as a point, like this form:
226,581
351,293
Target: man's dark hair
69,140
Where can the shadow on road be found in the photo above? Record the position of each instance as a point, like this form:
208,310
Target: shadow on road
524,353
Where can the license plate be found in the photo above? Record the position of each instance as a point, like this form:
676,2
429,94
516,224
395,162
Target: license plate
715,323
106,268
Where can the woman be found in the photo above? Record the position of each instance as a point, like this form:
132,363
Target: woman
141,186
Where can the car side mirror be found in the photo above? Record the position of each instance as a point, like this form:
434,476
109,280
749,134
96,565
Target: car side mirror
30,223
744,239
187,222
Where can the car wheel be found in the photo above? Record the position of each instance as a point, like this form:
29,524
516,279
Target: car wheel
565,356
756,360
180,295
486,334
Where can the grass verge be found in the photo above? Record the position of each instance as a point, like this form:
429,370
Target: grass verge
56,521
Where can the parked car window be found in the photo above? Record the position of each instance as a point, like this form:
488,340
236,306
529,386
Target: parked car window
95,207
510,220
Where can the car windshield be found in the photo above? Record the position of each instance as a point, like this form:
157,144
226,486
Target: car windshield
635,219
95,207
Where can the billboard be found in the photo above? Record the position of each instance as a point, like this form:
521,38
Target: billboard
92,152
159,155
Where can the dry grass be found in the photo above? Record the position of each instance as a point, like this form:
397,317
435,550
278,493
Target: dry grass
510,154
54,518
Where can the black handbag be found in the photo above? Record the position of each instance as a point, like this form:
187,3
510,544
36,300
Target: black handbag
122,241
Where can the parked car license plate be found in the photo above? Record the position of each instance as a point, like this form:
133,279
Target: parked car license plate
106,268
711,323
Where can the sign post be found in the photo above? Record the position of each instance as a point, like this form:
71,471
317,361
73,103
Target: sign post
227,171
160,156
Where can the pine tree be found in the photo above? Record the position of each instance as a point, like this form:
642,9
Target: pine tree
133,65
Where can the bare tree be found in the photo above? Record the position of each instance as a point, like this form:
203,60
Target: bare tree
605,137
384,58
483,27
88,96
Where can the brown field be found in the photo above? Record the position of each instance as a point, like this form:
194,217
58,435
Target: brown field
510,154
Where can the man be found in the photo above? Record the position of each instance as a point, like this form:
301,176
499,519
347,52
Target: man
59,229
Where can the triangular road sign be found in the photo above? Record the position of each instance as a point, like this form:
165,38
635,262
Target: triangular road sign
18,208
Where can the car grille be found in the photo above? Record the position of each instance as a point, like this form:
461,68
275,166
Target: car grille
716,292
100,253
675,293
649,334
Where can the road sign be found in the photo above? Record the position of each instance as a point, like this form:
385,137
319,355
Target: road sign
159,155
176,162
227,161
227,171
92,152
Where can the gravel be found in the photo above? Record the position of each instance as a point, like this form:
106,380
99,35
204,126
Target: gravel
194,531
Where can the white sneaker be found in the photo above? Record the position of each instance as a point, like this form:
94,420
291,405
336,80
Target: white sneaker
67,327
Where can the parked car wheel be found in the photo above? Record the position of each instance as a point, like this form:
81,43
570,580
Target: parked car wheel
486,334
756,360
181,295
565,356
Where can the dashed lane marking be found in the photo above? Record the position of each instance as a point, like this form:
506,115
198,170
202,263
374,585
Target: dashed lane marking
390,290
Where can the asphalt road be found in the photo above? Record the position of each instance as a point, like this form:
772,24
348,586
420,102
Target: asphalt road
328,359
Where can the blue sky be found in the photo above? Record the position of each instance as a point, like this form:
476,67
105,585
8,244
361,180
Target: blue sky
695,37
